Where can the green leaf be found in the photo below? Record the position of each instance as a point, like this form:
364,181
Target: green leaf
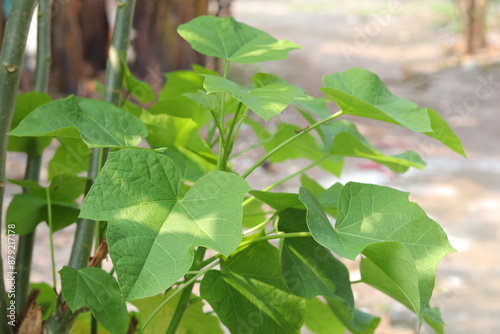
194,320
63,189
320,320
266,101
233,41
140,89
370,214
47,298
152,231
26,211
249,296
71,158
361,93
253,214
97,289
100,124
83,325
390,268
314,187
278,201
189,169
309,269
25,104
304,146
432,317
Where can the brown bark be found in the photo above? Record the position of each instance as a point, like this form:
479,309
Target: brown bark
67,51
95,33
474,20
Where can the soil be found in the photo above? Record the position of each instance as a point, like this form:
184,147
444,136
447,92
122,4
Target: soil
410,45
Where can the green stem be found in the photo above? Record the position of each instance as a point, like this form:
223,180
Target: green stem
51,239
228,145
11,62
275,236
26,242
289,140
84,235
288,177
222,117
177,291
187,290
260,226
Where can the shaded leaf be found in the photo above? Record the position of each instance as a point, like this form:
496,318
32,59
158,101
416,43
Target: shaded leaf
47,298
140,89
97,289
249,296
194,320
100,124
309,269
152,231
25,104
304,146
233,41
71,158
320,320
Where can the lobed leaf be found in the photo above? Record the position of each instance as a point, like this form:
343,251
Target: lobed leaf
152,232
100,124
233,41
369,214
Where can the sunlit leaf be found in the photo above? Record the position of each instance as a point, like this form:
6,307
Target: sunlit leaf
152,232
233,41
100,124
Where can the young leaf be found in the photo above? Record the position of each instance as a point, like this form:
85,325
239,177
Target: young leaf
140,89
249,296
266,101
100,124
25,104
152,231
432,316
278,201
360,92
369,214
314,187
233,41
97,289
390,268
308,268
194,319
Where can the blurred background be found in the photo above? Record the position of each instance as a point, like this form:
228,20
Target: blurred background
442,54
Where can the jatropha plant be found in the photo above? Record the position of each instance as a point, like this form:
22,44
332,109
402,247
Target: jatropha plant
193,246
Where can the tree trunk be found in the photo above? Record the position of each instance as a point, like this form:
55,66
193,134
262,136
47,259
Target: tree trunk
474,20
2,21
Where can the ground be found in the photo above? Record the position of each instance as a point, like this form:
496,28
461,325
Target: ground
409,44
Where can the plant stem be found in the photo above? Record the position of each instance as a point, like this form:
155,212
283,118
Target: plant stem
228,145
11,61
51,239
177,291
82,245
289,140
222,118
275,236
260,226
187,290
26,242
288,177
